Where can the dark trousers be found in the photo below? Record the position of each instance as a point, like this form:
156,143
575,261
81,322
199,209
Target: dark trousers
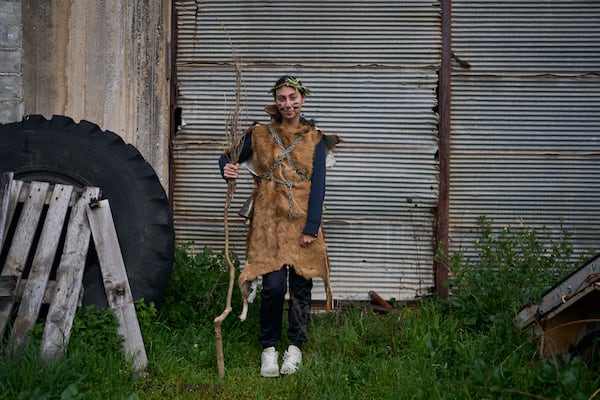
274,287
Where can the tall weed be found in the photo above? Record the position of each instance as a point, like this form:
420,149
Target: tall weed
197,288
93,366
514,268
464,348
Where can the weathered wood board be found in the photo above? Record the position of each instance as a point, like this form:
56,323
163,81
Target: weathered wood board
69,275
116,284
6,179
22,242
16,187
8,287
34,246
39,274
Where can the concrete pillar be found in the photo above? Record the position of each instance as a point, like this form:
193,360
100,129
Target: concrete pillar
11,53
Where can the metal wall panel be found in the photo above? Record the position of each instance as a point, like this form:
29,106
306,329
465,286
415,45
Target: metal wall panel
372,66
525,148
399,33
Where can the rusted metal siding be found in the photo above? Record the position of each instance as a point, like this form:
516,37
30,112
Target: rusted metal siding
373,68
525,143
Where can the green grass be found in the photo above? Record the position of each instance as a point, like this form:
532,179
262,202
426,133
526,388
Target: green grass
465,348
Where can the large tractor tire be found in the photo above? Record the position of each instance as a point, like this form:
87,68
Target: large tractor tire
81,154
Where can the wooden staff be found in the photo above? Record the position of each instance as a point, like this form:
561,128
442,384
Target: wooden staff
235,138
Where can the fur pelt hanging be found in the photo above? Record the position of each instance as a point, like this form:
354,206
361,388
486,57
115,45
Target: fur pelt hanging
279,217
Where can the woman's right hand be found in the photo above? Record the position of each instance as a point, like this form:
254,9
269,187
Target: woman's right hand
230,171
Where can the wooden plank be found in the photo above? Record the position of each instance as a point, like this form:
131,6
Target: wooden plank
22,241
8,287
69,275
75,194
562,295
26,228
5,183
582,278
116,284
15,192
39,273
48,296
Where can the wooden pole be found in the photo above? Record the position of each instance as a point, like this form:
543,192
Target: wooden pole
235,141
219,320
441,261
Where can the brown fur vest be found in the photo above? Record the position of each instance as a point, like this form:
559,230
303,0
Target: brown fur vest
280,210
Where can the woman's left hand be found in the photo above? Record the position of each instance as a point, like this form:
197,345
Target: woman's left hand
305,240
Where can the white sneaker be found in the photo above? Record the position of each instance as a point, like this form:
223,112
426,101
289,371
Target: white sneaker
292,359
269,367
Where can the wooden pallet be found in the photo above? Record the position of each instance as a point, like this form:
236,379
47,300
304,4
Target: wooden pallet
31,248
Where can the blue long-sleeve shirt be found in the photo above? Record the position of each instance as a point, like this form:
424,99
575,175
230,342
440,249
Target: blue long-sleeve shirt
317,182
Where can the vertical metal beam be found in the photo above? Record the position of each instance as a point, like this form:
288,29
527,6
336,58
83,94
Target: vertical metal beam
444,93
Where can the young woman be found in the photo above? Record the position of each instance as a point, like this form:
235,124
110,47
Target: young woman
285,241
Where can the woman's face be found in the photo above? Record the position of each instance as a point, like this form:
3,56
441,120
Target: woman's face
289,102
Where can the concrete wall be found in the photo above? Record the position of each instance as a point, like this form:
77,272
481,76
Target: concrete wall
11,90
103,61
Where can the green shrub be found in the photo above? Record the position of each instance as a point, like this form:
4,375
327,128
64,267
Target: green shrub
93,366
197,288
96,330
514,268
492,357
464,348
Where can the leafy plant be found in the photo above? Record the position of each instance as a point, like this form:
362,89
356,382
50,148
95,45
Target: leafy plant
514,268
465,348
197,288
96,329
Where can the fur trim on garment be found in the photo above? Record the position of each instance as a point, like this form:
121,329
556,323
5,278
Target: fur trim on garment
273,237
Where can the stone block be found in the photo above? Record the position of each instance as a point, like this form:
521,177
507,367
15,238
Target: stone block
10,12
10,87
10,36
10,111
10,61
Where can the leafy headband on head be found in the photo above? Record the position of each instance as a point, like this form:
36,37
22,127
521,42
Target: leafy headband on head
293,83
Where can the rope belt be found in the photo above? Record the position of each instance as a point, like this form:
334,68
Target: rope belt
285,156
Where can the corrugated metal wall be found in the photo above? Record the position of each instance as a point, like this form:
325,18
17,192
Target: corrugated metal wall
525,144
373,68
